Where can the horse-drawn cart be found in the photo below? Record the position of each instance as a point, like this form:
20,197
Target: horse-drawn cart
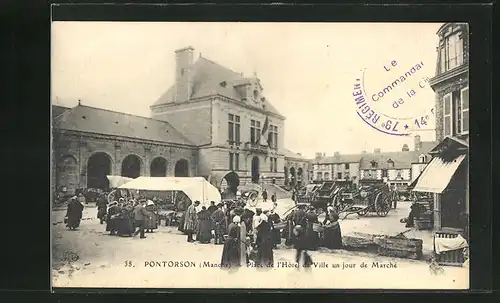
368,199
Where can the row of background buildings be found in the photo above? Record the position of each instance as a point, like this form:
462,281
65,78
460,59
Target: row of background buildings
216,123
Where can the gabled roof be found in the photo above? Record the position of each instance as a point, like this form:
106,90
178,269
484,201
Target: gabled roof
290,154
101,121
353,158
449,142
207,78
401,159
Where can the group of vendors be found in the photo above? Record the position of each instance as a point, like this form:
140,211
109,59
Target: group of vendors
128,218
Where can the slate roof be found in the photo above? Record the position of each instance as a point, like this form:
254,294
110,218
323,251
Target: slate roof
353,158
101,121
401,159
207,79
58,110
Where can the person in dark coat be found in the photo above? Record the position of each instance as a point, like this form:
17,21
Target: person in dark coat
289,228
332,233
273,198
264,195
300,244
102,208
74,213
204,226
264,243
311,235
112,216
212,207
124,221
140,215
231,255
274,218
219,224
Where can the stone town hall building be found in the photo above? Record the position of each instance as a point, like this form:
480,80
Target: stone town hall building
212,122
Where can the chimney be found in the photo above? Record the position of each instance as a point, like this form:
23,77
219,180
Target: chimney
405,148
318,156
183,73
336,154
324,154
418,143
376,150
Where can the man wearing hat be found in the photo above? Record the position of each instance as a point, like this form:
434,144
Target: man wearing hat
140,215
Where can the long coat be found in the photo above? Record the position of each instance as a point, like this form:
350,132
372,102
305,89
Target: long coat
74,214
231,256
204,227
190,221
264,245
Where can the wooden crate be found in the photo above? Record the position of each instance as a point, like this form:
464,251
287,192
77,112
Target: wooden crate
399,247
452,257
359,241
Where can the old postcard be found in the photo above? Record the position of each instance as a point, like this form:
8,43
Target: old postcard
260,155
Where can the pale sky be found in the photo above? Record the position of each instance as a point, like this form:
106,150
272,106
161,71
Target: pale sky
307,70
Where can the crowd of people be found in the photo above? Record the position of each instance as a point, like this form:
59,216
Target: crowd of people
247,236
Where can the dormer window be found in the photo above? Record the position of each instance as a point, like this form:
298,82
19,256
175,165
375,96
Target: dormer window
422,159
374,164
390,163
256,95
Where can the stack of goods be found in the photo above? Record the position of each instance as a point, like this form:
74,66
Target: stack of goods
424,219
399,246
359,241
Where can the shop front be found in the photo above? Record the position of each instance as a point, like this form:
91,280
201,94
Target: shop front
446,177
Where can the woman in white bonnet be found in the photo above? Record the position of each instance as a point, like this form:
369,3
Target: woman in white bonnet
231,256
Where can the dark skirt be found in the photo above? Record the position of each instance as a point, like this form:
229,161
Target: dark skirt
125,227
312,238
332,237
265,257
231,253
101,213
151,223
276,235
74,221
111,224
204,234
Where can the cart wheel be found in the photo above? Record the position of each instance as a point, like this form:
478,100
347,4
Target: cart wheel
363,212
253,202
111,196
382,204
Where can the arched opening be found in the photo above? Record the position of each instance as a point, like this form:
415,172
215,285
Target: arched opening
182,168
98,167
67,174
231,181
286,176
158,167
131,166
293,178
255,169
299,175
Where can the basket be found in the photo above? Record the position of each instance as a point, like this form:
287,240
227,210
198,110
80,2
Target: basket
318,228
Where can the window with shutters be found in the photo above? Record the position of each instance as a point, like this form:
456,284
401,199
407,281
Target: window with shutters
447,115
464,102
451,51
